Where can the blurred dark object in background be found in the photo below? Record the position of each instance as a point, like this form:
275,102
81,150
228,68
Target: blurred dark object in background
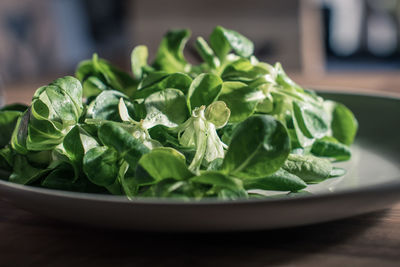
49,37
361,34
107,25
27,47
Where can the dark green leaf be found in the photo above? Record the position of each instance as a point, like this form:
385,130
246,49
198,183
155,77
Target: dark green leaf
41,158
170,56
129,147
177,80
281,180
76,143
105,106
19,135
259,146
61,178
241,99
24,172
162,163
43,135
126,176
167,107
162,134
344,124
227,194
223,40
309,168
152,79
6,159
204,90
206,53
176,189
329,147
243,70
312,121
100,165
72,88
108,77
63,101
8,120
215,178
93,86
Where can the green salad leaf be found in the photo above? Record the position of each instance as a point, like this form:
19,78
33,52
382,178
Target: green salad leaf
231,127
170,56
259,147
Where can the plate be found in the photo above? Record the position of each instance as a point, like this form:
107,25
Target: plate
371,183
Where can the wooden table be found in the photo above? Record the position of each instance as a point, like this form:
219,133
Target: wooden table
32,240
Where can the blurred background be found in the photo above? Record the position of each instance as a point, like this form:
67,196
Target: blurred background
321,43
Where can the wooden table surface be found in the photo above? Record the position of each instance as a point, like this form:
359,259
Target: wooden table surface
32,240
368,240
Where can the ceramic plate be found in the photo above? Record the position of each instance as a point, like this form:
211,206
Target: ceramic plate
371,183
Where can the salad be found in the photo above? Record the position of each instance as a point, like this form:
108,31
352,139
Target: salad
230,127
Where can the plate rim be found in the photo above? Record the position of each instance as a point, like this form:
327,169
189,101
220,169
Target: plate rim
386,187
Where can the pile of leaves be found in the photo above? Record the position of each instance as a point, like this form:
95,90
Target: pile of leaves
229,127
